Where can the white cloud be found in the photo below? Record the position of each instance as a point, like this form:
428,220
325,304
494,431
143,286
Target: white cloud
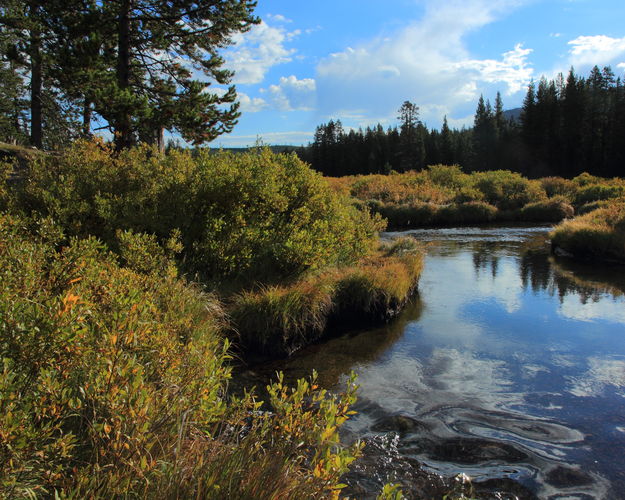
425,62
258,50
251,104
292,94
279,18
598,49
513,69
602,373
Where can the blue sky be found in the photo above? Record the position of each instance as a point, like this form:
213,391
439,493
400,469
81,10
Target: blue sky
358,60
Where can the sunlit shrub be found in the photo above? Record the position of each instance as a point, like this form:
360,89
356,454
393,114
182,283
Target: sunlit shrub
585,178
558,186
470,212
507,190
598,192
450,176
113,385
252,215
552,210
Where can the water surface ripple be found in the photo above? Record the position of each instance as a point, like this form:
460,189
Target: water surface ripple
509,365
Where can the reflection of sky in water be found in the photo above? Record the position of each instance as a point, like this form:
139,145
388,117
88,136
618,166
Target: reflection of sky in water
504,349
543,349
606,309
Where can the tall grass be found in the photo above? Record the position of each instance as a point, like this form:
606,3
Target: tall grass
277,320
599,234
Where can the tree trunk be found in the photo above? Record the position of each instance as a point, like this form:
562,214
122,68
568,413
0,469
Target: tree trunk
86,118
36,82
123,125
160,139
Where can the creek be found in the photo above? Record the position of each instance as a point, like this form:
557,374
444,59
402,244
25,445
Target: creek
508,366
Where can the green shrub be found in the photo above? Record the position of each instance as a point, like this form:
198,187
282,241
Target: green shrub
449,176
598,192
113,385
507,190
585,179
407,215
472,212
252,216
551,210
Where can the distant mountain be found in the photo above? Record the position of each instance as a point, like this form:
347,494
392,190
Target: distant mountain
513,114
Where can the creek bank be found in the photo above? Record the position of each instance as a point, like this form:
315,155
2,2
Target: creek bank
276,321
598,235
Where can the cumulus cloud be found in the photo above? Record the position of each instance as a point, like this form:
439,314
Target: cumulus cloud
292,94
598,49
513,69
251,104
255,52
426,61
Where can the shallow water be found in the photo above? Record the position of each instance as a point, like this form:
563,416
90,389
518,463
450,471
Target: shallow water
509,364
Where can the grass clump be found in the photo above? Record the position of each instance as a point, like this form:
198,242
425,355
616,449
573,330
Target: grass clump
596,235
277,320
552,210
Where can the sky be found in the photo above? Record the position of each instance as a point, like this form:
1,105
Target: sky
358,60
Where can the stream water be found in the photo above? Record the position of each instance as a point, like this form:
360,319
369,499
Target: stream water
509,366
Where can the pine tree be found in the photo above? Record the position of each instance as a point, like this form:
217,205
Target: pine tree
447,148
484,137
412,152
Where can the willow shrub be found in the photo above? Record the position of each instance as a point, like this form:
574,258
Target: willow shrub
255,215
113,385
507,190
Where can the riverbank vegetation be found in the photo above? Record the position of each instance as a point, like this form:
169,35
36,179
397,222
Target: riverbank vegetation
125,278
445,195
596,235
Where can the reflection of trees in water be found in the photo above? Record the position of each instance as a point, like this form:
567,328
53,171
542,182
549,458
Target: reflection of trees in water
544,273
485,258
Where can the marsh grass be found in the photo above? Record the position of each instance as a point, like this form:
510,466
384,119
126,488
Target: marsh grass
278,320
596,235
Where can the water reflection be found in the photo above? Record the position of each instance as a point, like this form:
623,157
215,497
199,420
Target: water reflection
340,355
510,366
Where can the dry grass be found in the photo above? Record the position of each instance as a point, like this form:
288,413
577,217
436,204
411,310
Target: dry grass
598,235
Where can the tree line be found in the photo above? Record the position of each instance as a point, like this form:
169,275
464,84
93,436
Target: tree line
134,67
566,126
